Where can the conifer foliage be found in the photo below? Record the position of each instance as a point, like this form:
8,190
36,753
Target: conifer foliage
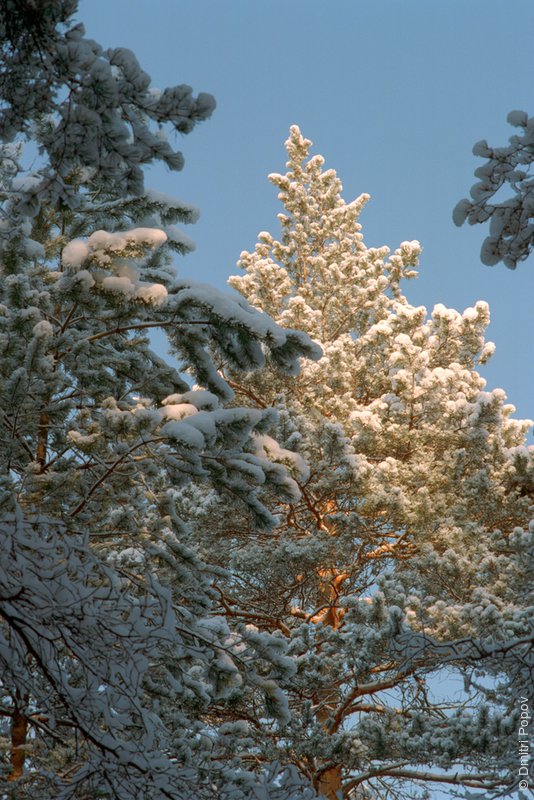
112,661
403,561
511,232
200,596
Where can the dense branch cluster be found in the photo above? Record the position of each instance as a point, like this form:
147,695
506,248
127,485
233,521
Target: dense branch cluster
95,110
511,232
115,668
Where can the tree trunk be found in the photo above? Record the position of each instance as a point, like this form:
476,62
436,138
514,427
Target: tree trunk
42,439
19,731
329,782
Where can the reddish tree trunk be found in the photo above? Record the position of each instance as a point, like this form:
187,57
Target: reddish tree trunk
329,782
19,732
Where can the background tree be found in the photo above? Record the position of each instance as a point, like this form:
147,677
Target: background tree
511,232
416,491
112,659
95,108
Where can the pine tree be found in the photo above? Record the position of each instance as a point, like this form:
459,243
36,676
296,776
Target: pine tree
511,236
114,665
401,561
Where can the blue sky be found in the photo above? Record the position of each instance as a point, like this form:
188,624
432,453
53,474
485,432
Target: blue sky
393,93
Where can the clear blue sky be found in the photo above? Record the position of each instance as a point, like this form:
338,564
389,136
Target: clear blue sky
393,93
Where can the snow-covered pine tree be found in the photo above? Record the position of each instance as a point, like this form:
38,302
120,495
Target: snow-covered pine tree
112,662
396,577
511,235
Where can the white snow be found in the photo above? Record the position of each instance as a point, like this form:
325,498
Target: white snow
81,439
201,399
267,447
183,434
84,277
122,286
173,202
34,249
26,183
74,253
178,410
517,118
42,329
154,293
177,236
100,240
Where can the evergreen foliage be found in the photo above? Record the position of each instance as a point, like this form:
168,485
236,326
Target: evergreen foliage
247,577
511,232
114,665
405,560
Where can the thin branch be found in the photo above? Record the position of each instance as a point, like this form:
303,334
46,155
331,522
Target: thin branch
143,325
246,392
231,612
109,471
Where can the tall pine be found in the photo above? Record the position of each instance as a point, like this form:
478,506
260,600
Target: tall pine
396,577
